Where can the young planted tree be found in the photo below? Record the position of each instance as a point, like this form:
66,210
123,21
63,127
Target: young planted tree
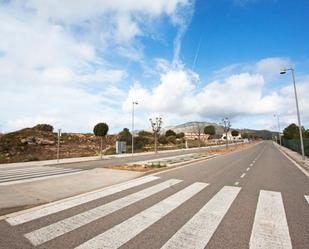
210,130
100,130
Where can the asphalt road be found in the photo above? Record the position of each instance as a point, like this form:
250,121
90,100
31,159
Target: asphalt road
255,198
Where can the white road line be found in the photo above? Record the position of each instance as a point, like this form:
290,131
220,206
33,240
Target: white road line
243,175
236,183
30,170
36,174
270,229
123,232
196,233
251,164
66,204
247,169
61,227
33,179
307,198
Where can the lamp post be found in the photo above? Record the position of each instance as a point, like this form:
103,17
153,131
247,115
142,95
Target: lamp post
156,127
284,71
276,115
133,103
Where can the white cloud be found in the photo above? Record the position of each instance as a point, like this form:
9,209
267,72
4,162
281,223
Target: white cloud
270,67
52,59
239,96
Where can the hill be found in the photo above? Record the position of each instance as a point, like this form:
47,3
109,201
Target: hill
192,126
39,143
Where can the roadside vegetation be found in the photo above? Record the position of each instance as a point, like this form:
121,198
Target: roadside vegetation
40,142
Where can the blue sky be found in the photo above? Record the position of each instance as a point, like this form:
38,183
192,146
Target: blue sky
75,63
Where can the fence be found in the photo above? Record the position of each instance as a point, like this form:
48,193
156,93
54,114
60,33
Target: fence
294,144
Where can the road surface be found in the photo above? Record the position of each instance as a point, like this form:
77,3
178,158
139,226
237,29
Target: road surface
255,198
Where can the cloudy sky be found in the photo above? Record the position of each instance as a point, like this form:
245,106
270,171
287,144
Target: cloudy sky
73,63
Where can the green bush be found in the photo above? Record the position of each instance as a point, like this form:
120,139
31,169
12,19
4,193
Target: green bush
44,127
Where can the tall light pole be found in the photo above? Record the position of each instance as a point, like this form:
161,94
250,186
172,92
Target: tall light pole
284,71
279,130
133,104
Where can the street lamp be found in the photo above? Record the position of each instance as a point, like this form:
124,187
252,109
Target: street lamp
284,71
133,103
276,115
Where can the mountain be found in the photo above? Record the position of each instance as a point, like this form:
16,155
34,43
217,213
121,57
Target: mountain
193,126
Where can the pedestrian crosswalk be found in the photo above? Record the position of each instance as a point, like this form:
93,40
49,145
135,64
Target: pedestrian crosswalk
269,230
10,176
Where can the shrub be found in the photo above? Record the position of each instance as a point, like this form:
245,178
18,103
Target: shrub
44,127
169,133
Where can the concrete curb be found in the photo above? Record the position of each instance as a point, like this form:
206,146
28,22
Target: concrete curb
188,163
293,160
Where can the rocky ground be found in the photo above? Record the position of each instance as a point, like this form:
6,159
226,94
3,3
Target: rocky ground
37,143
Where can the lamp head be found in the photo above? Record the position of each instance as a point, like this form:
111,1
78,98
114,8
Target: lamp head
283,71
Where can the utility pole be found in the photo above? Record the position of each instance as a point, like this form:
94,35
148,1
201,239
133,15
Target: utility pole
133,103
156,127
58,145
227,125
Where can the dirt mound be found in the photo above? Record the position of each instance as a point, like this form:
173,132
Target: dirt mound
40,143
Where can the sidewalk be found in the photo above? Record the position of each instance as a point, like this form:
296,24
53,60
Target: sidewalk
23,195
295,156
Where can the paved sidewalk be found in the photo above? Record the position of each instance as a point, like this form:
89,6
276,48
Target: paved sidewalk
19,196
295,156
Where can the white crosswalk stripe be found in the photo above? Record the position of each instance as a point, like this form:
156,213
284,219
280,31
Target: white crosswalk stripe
307,198
123,232
50,232
270,229
14,175
196,233
76,201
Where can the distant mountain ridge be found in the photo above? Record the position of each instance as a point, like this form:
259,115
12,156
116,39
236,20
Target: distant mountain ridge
192,126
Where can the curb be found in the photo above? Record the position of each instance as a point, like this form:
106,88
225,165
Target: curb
187,163
294,161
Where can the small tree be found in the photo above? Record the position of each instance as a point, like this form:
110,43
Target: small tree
100,130
235,133
125,136
210,130
292,132
169,133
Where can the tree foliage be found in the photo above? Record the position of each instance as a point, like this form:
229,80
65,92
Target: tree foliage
100,129
210,130
44,127
291,132
125,135
170,133
235,133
